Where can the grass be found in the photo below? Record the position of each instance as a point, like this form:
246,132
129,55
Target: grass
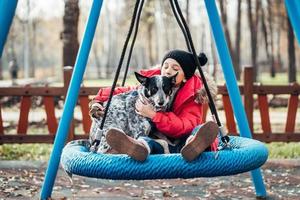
42,152
284,150
25,151
279,79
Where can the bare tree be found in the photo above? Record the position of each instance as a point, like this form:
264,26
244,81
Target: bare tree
235,54
33,48
97,60
236,57
253,17
271,22
109,69
159,26
265,32
148,19
281,18
70,32
187,11
214,58
223,10
291,53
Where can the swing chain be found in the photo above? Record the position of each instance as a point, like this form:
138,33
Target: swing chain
94,145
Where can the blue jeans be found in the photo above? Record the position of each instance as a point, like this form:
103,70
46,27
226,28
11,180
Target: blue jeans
156,148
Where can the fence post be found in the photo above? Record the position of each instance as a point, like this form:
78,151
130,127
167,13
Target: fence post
68,70
248,94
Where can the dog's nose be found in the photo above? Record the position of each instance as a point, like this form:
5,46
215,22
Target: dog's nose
161,103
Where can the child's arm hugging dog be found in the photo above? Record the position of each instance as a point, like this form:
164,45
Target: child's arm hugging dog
96,109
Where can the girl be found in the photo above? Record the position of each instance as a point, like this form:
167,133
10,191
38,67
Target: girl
175,129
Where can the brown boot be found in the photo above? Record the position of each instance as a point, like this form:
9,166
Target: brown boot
124,144
195,145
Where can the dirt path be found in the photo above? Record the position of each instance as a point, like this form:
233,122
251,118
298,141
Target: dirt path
23,180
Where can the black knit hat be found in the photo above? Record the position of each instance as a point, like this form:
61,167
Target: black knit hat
186,61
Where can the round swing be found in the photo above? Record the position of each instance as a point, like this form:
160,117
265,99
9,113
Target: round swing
244,155
237,154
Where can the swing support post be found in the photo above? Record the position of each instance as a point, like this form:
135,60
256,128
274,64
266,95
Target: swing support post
71,98
232,86
293,10
7,10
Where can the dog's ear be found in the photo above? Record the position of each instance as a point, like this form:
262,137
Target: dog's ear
173,78
142,79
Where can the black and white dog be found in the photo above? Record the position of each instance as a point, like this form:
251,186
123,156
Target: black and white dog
158,90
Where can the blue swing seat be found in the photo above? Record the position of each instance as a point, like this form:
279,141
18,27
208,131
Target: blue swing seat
245,155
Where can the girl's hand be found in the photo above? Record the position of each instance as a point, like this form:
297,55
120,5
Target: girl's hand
144,109
96,110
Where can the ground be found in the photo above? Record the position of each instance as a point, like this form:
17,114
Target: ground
23,180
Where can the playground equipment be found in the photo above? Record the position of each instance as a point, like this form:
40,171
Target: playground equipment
7,8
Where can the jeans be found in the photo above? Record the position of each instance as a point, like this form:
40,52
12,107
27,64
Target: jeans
156,148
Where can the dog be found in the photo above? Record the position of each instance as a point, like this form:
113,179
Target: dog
157,90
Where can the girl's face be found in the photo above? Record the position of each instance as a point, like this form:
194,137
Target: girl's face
170,67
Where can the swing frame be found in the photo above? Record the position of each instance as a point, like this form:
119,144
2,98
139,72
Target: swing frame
77,76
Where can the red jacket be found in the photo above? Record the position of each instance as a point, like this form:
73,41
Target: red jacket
186,115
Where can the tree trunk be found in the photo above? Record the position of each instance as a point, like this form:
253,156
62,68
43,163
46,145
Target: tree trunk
187,12
225,25
271,22
160,41
33,50
253,26
108,70
233,53
214,57
97,61
26,48
236,60
70,32
150,47
265,33
281,20
291,53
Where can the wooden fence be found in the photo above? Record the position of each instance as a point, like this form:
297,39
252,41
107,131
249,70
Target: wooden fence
249,90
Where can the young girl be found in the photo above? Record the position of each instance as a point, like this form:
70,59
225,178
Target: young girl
175,129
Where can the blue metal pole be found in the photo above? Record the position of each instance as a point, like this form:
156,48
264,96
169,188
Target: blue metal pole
7,13
71,99
293,10
232,86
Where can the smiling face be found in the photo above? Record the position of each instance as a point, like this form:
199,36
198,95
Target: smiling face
170,67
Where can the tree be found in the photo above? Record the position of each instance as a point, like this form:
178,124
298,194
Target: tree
281,18
253,17
265,32
270,20
235,54
267,23
148,18
236,57
70,32
187,12
223,10
291,53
